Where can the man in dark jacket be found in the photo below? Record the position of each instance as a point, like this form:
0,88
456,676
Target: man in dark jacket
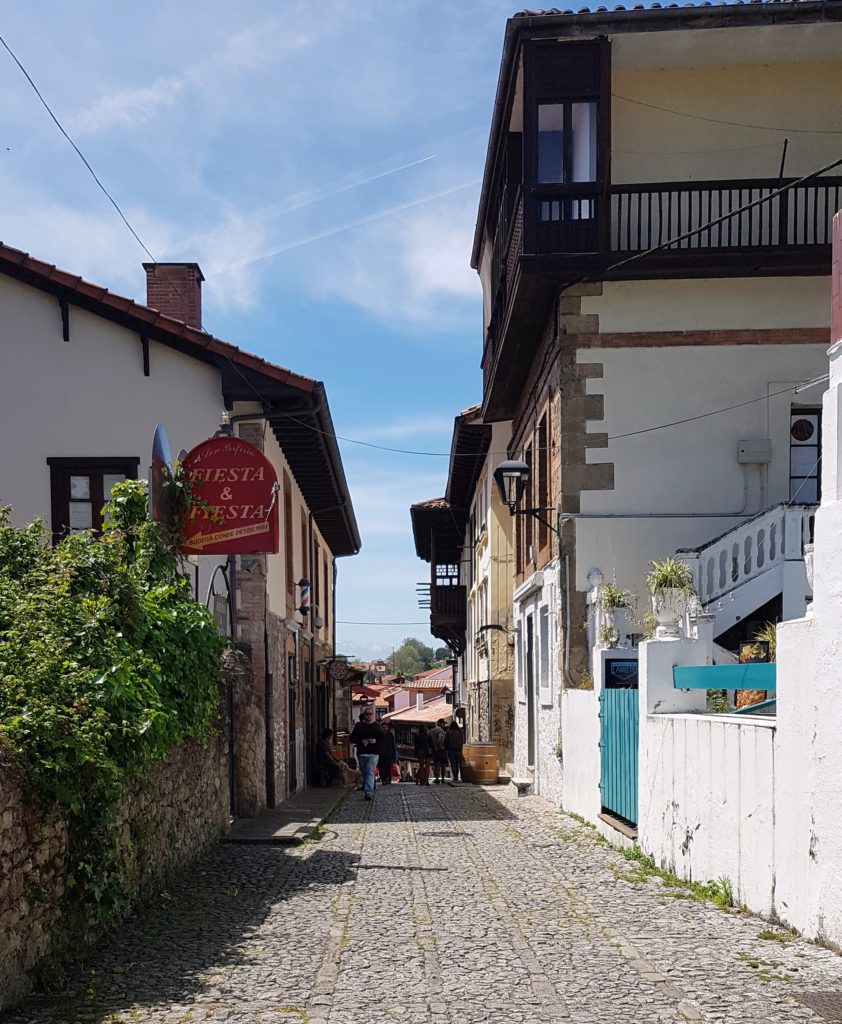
366,737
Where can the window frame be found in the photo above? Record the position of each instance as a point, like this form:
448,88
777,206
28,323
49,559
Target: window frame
62,468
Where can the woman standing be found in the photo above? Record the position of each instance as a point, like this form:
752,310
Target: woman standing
423,751
388,750
453,742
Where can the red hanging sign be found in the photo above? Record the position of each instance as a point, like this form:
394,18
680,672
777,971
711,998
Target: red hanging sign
237,489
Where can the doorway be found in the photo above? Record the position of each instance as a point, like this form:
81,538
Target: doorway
530,690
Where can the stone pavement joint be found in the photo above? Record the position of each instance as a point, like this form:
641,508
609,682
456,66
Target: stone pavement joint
437,906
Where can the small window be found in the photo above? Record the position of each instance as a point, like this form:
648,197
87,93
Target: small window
567,149
805,456
80,488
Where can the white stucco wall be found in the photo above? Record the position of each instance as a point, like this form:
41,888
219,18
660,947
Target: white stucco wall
711,304
706,783
653,145
87,397
580,746
691,467
808,847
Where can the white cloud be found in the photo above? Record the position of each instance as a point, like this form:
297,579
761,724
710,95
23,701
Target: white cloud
244,51
413,266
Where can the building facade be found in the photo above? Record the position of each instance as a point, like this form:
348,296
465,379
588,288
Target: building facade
655,268
106,370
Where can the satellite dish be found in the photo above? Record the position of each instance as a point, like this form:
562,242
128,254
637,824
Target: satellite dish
160,506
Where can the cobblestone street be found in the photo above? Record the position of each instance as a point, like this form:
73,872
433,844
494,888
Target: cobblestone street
451,905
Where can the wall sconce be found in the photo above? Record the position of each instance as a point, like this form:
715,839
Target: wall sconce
511,478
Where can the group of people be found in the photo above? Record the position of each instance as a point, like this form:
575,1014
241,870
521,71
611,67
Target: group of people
438,747
377,749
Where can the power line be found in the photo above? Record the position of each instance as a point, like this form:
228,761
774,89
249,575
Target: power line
731,124
79,152
611,437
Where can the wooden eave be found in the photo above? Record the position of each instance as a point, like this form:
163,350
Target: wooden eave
468,449
436,520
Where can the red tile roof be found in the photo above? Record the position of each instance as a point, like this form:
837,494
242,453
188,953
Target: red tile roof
36,272
427,714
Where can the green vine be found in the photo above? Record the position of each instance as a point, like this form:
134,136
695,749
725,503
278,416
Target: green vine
106,664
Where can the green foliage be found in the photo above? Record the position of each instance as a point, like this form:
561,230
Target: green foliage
106,663
412,657
769,635
670,574
611,596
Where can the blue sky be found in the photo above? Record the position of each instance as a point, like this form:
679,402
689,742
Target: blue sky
322,163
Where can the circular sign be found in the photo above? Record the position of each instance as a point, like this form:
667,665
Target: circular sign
338,670
802,430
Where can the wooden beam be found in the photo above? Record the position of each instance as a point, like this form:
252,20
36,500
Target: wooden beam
64,306
144,342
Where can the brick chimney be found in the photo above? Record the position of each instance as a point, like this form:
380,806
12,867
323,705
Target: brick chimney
175,289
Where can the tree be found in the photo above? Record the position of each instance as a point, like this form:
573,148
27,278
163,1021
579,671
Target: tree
412,657
441,654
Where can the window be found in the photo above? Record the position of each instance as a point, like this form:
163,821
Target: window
805,455
566,143
545,676
80,487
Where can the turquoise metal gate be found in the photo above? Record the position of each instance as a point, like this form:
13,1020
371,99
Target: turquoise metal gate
618,719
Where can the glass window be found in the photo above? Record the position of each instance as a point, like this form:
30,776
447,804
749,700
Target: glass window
583,131
80,487
550,143
805,455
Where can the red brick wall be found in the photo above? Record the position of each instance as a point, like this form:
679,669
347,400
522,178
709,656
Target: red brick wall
175,289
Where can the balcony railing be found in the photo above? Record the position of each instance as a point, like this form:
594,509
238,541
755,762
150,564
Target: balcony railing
644,216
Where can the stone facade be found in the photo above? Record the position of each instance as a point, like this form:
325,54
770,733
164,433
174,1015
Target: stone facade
165,822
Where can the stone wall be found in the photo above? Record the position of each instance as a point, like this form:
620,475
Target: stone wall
165,822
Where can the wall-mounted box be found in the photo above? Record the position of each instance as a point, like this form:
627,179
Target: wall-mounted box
755,450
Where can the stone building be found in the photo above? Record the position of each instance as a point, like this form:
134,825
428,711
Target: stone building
655,263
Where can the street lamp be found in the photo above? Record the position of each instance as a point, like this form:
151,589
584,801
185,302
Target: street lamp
511,478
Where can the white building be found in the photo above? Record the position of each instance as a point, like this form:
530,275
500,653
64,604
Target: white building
655,350
87,375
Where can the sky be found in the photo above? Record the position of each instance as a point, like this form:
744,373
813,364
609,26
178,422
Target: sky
321,162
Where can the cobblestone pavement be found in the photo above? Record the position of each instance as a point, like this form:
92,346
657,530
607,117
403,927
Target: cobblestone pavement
444,905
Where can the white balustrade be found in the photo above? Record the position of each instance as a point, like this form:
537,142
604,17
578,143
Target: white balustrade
775,536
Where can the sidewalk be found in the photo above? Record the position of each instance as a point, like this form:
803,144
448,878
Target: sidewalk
292,822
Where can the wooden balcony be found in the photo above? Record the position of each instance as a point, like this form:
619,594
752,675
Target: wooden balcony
449,615
552,236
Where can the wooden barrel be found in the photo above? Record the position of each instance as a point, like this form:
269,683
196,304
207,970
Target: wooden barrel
483,763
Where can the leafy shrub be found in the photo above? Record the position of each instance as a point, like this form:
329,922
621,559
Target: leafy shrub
106,663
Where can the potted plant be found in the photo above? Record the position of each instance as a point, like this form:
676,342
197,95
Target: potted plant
612,602
670,584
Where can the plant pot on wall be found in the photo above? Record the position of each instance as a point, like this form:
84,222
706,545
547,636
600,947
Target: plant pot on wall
668,607
670,583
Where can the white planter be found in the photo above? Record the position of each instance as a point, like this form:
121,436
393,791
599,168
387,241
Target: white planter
669,607
609,634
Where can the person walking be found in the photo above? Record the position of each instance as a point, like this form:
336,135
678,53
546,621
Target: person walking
437,734
388,754
366,738
453,742
423,751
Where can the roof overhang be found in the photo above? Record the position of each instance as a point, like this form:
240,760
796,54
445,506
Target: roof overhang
296,406
570,25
